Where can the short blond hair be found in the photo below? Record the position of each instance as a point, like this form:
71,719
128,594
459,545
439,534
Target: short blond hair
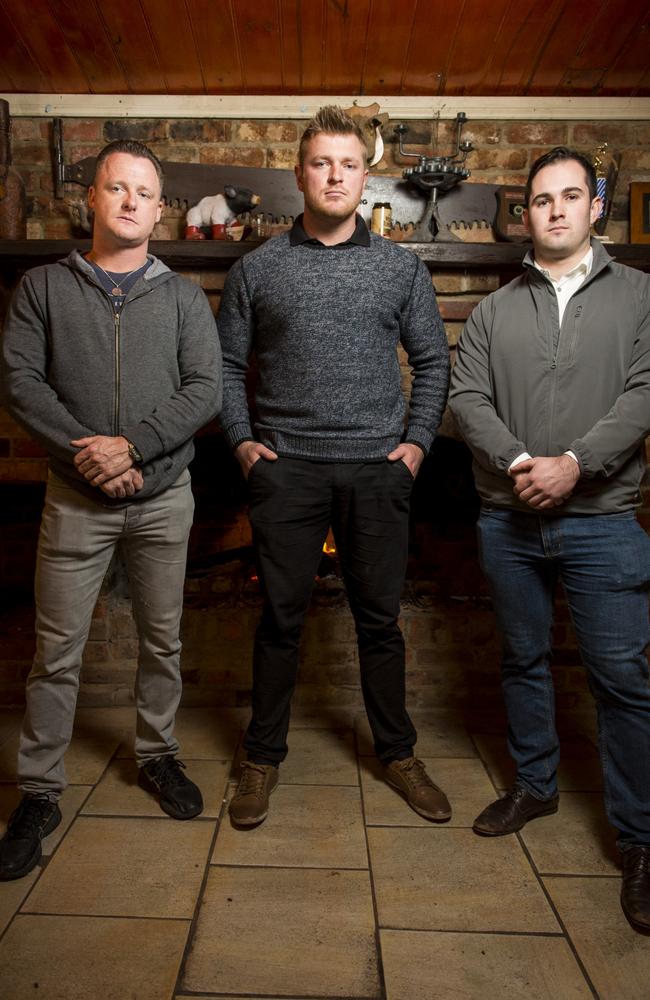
331,120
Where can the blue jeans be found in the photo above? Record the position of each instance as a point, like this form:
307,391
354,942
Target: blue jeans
603,562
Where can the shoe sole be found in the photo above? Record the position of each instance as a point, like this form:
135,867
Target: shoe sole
54,821
252,820
515,829
435,818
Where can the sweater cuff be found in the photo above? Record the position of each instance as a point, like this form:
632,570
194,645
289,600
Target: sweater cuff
145,440
237,433
419,435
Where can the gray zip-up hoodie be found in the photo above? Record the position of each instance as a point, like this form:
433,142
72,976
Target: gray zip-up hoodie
513,391
72,367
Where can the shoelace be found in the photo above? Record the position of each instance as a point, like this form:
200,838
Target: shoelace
415,774
252,779
167,772
27,819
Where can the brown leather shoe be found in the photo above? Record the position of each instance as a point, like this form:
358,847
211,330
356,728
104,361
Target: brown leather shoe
512,812
635,890
411,779
250,803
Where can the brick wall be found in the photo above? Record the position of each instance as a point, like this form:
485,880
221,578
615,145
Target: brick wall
452,647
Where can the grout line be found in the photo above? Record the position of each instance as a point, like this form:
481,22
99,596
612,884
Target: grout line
465,930
288,868
105,916
373,893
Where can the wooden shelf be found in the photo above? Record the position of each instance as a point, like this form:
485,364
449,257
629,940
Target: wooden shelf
19,255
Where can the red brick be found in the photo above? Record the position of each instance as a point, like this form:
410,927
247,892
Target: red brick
593,134
503,159
528,133
77,130
263,132
239,156
282,158
24,129
27,448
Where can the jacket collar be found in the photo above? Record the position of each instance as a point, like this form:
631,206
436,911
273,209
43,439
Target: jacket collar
601,260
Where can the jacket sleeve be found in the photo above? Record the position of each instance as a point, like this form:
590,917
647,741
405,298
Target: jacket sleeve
612,441
423,336
25,390
471,399
198,398
236,324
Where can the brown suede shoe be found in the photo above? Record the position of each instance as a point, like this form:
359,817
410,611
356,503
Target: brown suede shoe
512,812
411,779
250,803
635,890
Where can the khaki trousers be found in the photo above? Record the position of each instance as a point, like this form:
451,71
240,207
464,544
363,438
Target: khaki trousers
77,540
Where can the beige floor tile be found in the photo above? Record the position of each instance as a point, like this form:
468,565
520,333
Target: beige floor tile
118,793
320,757
579,768
12,895
125,867
69,804
440,735
450,879
76,958
464,781
202,733
477,966
577,840
286,931
307,827
616,957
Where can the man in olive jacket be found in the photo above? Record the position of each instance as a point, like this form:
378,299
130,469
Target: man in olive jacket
551,391
112,362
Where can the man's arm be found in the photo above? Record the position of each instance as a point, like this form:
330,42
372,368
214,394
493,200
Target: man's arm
236,326
613,439
197,400
26,393
470,399
423,336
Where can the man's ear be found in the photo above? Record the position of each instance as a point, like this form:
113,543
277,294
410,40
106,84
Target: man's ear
596,209
524,219
298,172
91,196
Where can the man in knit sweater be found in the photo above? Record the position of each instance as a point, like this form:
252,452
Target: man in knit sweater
324,307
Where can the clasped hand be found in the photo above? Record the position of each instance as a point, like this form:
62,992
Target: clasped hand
105,462
544,482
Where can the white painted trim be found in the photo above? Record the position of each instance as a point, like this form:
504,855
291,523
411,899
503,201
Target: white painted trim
279,106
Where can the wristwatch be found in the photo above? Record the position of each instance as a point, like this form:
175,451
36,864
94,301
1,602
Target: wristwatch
134,454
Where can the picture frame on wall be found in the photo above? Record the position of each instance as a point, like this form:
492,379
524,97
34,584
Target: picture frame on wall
639,212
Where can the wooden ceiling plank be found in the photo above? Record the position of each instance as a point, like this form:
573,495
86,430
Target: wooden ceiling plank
130,39
387,45
566,39
258,27
434,29
516,46
217,45
41,36
16,64
291,46
86,36
629,70
609,32
479,27
345,46
311,27
173,39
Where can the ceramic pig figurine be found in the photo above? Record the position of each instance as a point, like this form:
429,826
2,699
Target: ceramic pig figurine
218,211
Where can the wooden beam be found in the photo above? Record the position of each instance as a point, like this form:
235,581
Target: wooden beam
277,106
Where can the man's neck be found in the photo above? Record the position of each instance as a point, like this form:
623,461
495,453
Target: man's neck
120,260
558,268
328,231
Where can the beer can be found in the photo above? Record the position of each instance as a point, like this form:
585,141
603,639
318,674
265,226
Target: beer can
382,218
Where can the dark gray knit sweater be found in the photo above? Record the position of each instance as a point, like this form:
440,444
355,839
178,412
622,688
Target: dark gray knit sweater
324,323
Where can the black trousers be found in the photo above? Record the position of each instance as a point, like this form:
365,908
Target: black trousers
293,502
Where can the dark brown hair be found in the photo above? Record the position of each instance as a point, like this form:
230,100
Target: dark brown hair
559,154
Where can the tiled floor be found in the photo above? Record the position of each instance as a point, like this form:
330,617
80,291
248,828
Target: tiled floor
343,892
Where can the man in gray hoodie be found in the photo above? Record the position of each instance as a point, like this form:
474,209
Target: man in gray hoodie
112,362
551,390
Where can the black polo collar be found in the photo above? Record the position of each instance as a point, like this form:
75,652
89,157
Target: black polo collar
360,237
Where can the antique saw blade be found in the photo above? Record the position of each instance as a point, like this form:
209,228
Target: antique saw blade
187,183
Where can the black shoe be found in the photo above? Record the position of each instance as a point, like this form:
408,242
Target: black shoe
178,796
20,848
512,812
635,890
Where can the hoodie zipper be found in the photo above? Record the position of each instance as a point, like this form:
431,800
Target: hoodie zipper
116,394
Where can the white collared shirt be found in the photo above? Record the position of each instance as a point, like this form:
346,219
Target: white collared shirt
568,283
